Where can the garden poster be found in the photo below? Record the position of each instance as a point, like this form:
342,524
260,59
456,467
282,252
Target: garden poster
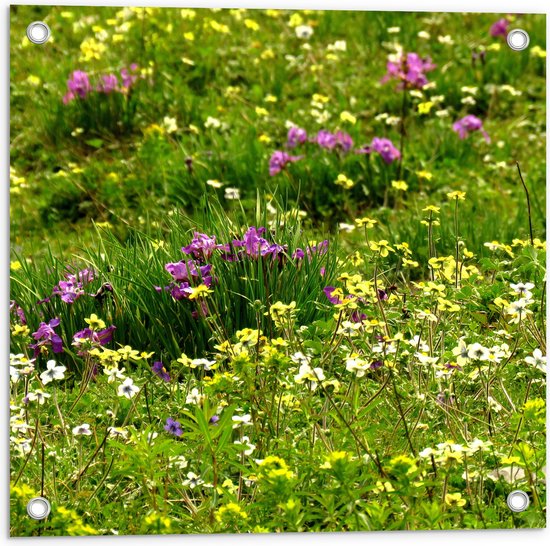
276,271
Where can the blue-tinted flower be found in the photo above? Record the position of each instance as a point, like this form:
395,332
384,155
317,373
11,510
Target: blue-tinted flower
173,427
160,371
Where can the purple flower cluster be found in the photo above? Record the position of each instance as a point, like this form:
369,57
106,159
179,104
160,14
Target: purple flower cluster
384,147
296,135
469,124
79,86
409,70
46,336
500,28
189,273
71,289
279,160
330,141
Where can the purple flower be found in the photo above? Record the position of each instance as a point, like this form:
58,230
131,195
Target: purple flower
15,308
78,85
329,290
128,79
296,136
468,124
409,70
109,83
214,420
383,146
344,141
326,139
160,371
46,335
71,289
187,270
376,364
500,28
100,337
279,160
173,427
202,246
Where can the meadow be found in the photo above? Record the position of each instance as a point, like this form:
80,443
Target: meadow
276,271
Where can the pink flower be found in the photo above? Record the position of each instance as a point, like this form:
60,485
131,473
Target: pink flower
468,124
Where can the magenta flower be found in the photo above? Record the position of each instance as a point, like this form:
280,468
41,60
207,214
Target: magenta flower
46,335
185,271
79,86
469,124
326,139
296,136
97,338
384,147
173,427
344,141
72,288
409,70
500,28
279,160
109,83
128,79
202,246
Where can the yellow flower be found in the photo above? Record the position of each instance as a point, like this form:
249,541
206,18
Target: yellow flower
200,291
459,195
382,247
431,208
16,265
295,20
267,54
425,107
94,322
34,80
262,112
366,222
270,98
400,185
454,499
251,24
537,51
348,117
91,49
424,174
344,181
189,36
229,511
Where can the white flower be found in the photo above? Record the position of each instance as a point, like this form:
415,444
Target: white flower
357,366
232,194
179,461
242,420
476,351
313,375
82,430
479,445
128,389
518,310
214,183
299,358
114,373
538,360
348,328
170,124
52,373
461,352
339,45
202,363
246,442
524,289
39,395
348,228
214,123
194,397
445,40
425,453
494,404
192,480
115,432
419,344
304,32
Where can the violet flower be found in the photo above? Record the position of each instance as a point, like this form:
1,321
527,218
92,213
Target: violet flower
384,147
46,335
500,28
409,70
469,124
109,83
279,160
173,427
296,136
78,85
160,371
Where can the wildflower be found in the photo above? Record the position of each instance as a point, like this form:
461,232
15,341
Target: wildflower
384,147
200,291
358,366
296,136
128,389
52,373
160,371
232,194
476,351
409,69
245,442
400,185
279,160
368,223
538,360
194,397
425,107
344,181
82,430
346,116
469,124
499,28
523,289
46,335
518,310
310,375
229,511
173,427
79,86
242,420
382,247
193,480
458,195
170,125
304,32
454,500
113,373
39,396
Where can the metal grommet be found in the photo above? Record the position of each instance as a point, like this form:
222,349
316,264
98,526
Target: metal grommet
38,32
39,508
518,501
518,39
